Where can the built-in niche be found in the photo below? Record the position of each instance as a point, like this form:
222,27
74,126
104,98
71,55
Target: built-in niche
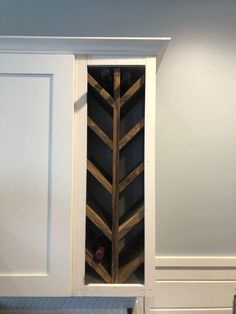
115,175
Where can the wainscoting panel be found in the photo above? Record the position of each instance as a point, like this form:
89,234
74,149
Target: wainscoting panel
192,311
188,294
192,285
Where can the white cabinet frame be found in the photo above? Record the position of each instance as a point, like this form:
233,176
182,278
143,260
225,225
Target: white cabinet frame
52,233
109,51
80,166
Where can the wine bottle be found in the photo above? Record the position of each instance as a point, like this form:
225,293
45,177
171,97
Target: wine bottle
100,248
98,243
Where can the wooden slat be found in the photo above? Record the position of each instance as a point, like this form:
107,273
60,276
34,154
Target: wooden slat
131,221
132,90
131,260
98,267
100,90
131,176
99,132
99,176
115,176
126,270
131,134
98,221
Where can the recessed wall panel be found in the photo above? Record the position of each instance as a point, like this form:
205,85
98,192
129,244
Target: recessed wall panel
25,123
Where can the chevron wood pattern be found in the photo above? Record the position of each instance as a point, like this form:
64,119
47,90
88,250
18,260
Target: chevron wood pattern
98,267
132,90
117,94
99,132
130,267
131,176
131,222
131,134
98,221
100,90
99,176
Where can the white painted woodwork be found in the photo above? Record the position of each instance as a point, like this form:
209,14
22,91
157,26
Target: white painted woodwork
25,127
187,274
43,140
36,140
36,111
190,287
107,46
150,172
192,311
193,294
80,174
80,140
139,306
114,290
196,261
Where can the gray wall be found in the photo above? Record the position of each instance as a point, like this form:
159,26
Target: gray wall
196,118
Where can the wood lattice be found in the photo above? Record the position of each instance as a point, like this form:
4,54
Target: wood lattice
116,229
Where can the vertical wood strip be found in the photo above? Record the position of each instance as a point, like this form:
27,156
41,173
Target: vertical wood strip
115,176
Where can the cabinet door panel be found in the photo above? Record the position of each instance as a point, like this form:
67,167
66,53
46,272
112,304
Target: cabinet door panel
36,110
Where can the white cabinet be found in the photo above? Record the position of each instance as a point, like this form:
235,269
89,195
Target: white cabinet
43,163
36,114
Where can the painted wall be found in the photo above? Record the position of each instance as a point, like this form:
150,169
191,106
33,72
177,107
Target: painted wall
196,118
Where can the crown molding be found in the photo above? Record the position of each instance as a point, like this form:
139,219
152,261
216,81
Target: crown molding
123,46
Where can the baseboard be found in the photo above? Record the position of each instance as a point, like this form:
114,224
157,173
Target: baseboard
192,311
195,284
190,294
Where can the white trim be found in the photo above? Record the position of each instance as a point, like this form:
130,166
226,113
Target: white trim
139,306
122,61
114,290
195,281
195,261
100,46
128,46
189,274
79,173
224,310
193,294
80,177
196,284
149,171
195,268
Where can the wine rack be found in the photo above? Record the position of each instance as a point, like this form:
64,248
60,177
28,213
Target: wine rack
115,173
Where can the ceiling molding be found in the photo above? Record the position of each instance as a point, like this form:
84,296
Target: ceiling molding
123,46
